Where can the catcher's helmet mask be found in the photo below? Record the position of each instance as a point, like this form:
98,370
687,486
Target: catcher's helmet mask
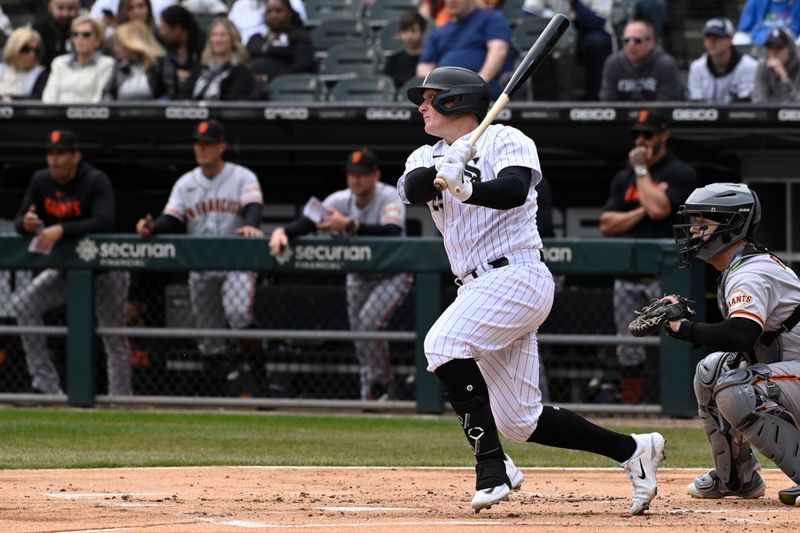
733,206
460,91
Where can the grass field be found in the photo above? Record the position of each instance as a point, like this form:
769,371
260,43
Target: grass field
70,438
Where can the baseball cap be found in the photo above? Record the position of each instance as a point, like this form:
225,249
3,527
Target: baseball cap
210,131
650,120
62,140
363,160
719,26
778,38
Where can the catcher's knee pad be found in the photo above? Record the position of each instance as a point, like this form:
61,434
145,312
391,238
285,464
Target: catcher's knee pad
708,372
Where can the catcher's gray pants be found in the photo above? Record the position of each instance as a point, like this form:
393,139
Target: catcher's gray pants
371,301
628,296
221,299
48,290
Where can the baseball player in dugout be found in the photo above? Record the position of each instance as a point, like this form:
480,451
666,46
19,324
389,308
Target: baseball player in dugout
483,347
642,204
748,388
216,198
68,199
366,207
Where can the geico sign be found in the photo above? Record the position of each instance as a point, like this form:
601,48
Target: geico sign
286,113
92,113
706,114
592,113
193,113
789,115
378,113
6,112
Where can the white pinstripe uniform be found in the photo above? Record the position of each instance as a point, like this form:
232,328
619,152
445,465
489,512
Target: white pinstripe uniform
496,315
213,207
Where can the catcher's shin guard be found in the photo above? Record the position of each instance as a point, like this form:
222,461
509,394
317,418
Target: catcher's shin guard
734,462
765,424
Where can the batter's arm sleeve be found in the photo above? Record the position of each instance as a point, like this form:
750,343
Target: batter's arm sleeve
167,224
731,335
301,226
507,191
102,210
251,214
419,187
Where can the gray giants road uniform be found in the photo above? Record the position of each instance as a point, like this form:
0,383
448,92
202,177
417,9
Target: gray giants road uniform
498,310
213,207
373,298
760,288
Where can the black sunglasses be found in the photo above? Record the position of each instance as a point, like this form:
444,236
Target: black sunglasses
84,34
646,134
26,49
637,40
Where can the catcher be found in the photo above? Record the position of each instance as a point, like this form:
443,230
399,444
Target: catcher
748,388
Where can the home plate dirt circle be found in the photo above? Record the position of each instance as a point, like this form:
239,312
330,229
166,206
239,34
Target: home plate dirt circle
240,499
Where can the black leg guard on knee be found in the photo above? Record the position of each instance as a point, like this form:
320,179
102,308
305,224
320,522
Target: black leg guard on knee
469,397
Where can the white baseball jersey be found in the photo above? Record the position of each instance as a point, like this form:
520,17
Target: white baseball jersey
385,207
762,289
474,235
213,206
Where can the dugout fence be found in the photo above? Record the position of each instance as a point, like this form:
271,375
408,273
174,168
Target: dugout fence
299,350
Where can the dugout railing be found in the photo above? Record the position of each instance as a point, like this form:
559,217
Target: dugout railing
424,257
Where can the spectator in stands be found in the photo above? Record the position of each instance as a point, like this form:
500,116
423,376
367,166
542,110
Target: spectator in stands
778,74
760,17
592,22
183,39
21,74
366,207
435,11
643,200
249,16
476,38
223,74
642,71
79,77
402,65
141,71
5,25
216,8
66,200
106,11
216,198
55,26
285,48
722,74
140,10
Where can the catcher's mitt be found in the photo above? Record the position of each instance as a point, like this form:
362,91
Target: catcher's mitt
658,313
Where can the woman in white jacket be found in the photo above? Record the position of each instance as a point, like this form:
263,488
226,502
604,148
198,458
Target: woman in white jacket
80,77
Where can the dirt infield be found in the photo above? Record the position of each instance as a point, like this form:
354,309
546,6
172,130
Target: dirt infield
222,499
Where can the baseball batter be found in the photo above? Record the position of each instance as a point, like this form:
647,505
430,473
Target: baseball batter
748,389
483,347
216,198
366,207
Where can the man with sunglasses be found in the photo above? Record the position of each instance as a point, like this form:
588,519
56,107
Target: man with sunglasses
642,203
642,71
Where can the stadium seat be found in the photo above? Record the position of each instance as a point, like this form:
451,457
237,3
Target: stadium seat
403,89
376,88
297,87
388,38
512,10
526,32
320,10
337,31
349,60
383,12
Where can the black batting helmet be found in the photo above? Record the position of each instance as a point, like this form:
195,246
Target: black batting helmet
733,206
463,89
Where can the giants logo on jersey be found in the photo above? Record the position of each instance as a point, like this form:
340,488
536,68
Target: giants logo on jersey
224,205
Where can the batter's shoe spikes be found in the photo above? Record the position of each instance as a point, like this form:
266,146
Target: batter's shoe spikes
641,469
789,496
709,486
486,497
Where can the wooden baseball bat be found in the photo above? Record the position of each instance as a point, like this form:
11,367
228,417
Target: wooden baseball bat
533,60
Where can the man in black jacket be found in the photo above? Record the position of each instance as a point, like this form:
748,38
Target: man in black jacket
54,27
68,199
